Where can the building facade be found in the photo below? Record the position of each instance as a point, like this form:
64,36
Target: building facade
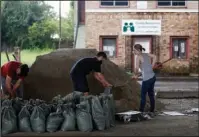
168,29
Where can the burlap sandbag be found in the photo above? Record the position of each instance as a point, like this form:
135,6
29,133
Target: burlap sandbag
24,120
38,119
84,119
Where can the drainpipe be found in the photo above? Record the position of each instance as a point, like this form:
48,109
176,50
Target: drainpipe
59,24
77,23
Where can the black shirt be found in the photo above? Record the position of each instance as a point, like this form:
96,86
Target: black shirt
86,65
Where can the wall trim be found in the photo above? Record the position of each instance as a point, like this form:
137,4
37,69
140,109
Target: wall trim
143,10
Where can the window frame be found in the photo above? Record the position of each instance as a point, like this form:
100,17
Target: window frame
113,6
186,47
101,46
171,4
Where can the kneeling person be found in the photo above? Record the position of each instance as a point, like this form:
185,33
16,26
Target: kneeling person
83,67
12,75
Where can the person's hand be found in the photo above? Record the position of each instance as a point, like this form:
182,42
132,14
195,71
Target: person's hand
12,94
109,85
157,65
134,77
85,93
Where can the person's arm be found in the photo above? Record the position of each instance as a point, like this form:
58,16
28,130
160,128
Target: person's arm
17,84
137,66
100,77
8,84
154,59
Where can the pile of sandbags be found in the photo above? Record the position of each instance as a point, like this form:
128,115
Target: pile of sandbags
70,113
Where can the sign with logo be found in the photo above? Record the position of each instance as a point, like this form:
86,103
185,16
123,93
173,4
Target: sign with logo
141,27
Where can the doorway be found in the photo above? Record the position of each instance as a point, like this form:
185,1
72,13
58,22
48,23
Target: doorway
146,43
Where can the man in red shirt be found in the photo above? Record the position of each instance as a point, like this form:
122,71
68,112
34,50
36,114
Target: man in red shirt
12,75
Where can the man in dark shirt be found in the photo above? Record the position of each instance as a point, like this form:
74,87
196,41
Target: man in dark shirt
83,67
12,75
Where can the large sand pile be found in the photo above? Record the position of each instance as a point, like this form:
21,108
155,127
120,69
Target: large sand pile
49,76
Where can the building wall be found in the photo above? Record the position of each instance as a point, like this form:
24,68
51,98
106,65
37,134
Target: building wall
173,24
133,5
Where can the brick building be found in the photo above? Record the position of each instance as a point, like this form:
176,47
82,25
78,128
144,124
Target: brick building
168,29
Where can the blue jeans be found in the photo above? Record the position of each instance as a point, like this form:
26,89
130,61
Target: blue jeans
148,87
19,91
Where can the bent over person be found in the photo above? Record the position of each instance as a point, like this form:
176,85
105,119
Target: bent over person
85,66
12,76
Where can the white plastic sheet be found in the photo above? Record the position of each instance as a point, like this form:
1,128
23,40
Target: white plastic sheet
131,112
173,113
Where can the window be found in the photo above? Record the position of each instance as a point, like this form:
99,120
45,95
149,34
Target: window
114,3
171,3
109,45
179,48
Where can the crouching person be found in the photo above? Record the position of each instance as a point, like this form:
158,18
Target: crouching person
12,76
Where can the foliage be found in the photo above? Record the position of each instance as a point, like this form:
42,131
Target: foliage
174,71
39,34
30,24
194,65
27,56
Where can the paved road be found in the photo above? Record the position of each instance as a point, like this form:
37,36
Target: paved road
173,86
160,126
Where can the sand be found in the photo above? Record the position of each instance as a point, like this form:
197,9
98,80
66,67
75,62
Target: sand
49,76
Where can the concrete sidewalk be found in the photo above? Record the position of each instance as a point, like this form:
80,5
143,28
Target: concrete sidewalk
176,89
175,78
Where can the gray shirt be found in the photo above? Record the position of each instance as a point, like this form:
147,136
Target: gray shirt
146,68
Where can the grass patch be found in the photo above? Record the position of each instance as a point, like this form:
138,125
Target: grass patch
27,56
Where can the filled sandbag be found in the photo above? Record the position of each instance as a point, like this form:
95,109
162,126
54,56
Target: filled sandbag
54,120
112,109
38,102
24,120
31,102
57,99
97,113
83,116
46,108
38,119
6,103
104,99
69,123
73,97
8,120
17,104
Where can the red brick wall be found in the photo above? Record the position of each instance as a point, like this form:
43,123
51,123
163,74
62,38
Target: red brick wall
173,24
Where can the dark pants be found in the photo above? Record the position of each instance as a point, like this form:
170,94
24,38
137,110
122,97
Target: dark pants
19,91
148,87
79,82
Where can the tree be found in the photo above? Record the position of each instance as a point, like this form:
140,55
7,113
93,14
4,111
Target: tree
30,24
18,16
39,34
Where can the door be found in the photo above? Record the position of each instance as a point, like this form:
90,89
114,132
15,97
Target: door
146,43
